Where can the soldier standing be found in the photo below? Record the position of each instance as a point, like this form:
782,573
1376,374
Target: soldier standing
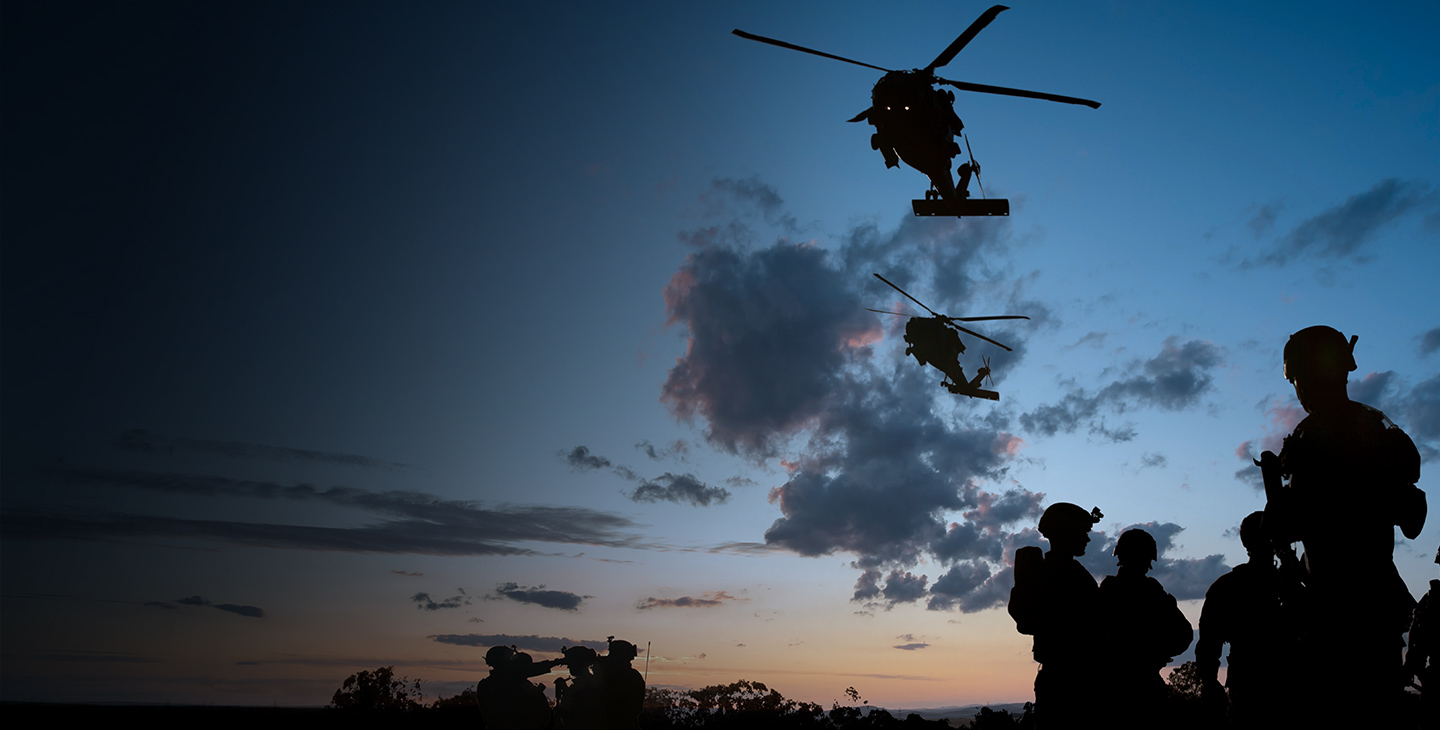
578,700
1144,631
1055,599
1245,608
621,688
1422,661
508,699
1352,477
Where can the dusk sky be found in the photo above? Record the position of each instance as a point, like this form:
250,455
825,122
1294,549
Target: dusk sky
341,335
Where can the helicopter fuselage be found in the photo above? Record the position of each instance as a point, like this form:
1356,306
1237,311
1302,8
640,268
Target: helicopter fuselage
916,122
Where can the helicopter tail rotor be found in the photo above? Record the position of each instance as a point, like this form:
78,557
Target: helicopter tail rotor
973,164
988,379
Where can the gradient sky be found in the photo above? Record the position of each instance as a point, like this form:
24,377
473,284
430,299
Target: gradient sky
347,335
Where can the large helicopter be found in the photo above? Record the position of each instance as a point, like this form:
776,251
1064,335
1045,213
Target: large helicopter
935,340
916,122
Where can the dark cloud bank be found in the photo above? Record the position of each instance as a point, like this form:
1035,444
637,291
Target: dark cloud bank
405,521
539,596
246,611
677,488
1175,379
709,599
423,600
1345,230
779,359
142,441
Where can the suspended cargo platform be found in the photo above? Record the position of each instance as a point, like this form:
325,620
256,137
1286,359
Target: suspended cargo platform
967,208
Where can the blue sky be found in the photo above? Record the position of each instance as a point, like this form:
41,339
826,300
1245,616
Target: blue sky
308,312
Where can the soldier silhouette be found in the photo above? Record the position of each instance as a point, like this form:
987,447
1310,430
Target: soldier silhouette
1144,630
1352,477
621,688
1055,599
1422,661
508,699
578,700
1248,609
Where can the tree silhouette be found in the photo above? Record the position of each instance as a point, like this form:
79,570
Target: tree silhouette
988,719
377,690
466,698
1185,682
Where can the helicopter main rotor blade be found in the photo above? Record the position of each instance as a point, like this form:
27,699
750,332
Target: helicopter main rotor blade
802,49
881,311
983,319
1005,91
983,337
948,55
907,296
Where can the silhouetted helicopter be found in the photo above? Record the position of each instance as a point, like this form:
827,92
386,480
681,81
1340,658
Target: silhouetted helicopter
933,342
916,122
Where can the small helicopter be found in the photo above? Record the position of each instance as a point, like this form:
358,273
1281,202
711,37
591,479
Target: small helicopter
916,122
935,340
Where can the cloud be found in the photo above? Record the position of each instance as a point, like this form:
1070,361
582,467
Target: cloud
1174,380
1344,230
424,601
770,332
411,522
1150,460
677,448
1264,219
563,600
781,357
1371,388
681,489
529,642
580,459
1430,342
911,646
708,599
407,573
903,587
247,611
145,442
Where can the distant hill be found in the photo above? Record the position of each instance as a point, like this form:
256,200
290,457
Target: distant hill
957,714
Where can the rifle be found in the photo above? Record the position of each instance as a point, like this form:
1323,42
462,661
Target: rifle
1279,514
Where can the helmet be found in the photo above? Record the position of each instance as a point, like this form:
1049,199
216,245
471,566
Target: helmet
1136,544
578,656
498,655
1067,517
1319,352
622,649
1252,530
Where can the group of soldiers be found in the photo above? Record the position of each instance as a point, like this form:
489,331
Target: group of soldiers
603,692
1307,634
